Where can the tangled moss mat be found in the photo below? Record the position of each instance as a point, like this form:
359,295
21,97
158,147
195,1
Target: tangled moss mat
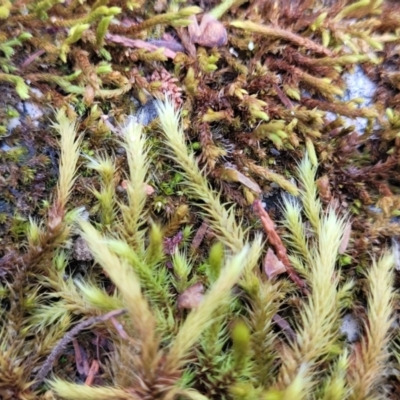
145,149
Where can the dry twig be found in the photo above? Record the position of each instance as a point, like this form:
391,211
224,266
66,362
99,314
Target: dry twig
61,345
276,242
94,369
140,44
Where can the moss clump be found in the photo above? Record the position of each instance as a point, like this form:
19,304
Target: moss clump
131,256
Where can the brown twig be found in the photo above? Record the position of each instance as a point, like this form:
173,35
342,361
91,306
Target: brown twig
283,98
94,369
284,325
62,344
81,361
137,43
32,58
199,236
275,241
119,328
168,44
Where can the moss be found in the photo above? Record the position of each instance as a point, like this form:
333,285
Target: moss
167,210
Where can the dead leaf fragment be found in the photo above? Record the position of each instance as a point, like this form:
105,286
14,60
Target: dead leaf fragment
324,189
191,297
94,369
276,242
233,175
139,44
149,189
210,32
272,265
124,184
345,238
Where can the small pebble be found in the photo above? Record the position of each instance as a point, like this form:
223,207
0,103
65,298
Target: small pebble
350,328
147,113
81,251
13,123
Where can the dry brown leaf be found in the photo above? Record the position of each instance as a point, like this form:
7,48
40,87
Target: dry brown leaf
149,189
233,175
210,32
345,239
324,189
139,44
276,242
272,265
124,184
191,297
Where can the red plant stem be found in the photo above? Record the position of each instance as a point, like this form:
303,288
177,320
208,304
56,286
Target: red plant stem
275,241
94,369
